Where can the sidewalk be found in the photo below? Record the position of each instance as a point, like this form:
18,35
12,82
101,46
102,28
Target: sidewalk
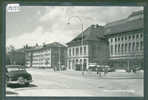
10,92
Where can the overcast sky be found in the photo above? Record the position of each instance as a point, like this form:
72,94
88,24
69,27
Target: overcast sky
38,24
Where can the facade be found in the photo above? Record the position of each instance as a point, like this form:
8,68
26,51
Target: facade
93,50
47,56
125,39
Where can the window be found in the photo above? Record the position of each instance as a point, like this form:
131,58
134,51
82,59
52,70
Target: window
118,38
141,35
111,49
129,37
115,49
80,61
129,47
122,46
115,39
137,36
133,36
84,50
73,51
137,46
69,52
80,50
126,47
76,61
133,47
125,38
77,51
118,48
141,45
122,38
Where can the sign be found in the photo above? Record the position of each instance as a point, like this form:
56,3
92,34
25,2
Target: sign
13,8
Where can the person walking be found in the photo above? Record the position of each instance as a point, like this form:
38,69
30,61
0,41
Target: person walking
99,69
105,70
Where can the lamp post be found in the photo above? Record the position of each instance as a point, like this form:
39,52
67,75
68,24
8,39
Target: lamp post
81,39
59,50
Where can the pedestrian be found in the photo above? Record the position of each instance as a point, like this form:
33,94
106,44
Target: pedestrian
134,69
99,69
105,70
54,68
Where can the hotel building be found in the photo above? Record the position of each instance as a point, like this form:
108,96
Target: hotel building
125,39
93,50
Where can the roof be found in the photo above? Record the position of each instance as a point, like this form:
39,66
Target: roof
94,32
55,44
20,50
50,45
135,21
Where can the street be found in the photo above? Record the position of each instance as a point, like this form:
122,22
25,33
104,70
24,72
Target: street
71,83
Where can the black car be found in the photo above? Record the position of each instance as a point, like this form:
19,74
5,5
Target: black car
16,74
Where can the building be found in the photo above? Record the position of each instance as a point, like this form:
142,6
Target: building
16,56
47,56
93,50
125,39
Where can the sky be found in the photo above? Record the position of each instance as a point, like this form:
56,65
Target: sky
47,24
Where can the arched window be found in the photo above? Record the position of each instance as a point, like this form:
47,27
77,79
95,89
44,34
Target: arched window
122,48
129,47
111,49
126,47
118,48
141,45
133,46
137,46
115,49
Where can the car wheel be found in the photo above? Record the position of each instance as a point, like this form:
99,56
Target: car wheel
21,80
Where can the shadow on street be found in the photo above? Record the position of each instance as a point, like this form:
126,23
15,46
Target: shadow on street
21,86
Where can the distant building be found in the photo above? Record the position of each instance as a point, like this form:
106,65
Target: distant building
47,56
93,50
125,39
16,57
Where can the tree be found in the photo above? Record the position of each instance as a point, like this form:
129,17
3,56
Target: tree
14,56
10,52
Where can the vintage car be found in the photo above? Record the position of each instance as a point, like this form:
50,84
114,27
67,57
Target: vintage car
92,66
16,74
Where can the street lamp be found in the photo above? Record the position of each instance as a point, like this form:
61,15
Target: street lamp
82,37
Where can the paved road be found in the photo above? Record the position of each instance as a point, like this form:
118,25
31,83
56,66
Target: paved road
70,83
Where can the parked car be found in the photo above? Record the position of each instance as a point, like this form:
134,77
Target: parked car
16,74
92,67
